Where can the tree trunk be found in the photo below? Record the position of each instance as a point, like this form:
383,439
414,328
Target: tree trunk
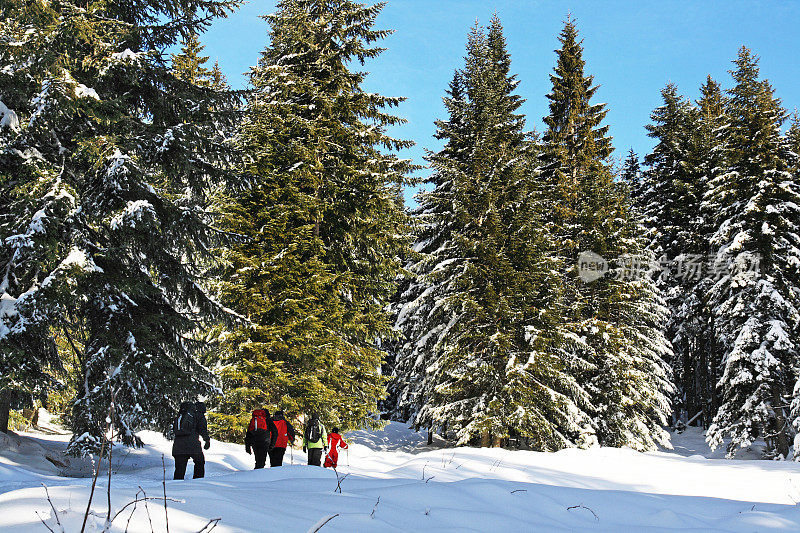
5,409
782,433
705,397
430,437
485,439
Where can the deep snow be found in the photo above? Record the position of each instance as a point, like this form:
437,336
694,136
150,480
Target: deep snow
439,489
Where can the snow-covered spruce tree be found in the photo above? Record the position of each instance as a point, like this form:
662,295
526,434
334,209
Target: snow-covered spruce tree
709,162
755,300
616,347
322,219
671,202
671,198
30,189
421,317
479,358
631,174
461,359
793,142
105,173
467,390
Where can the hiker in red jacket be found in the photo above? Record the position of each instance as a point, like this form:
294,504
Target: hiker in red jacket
261,436
334,441
285,437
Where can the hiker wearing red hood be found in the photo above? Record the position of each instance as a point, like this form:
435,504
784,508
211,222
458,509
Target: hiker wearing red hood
335,441
261,436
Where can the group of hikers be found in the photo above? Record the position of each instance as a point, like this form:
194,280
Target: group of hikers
265,436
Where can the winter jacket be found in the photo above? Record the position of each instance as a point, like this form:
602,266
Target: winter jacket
285,430
188,444
322,439
334,440
261,437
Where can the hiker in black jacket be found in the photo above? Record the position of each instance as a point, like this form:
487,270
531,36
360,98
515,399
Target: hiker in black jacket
261,436
189,425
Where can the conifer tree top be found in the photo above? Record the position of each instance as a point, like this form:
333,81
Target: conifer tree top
573,122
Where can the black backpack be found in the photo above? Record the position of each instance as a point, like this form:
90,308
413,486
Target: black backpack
314,431
185,423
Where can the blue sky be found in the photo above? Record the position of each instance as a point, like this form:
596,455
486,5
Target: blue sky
633,48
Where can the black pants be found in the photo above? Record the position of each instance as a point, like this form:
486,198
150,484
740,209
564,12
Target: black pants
260,451
276,456
315,456
182,459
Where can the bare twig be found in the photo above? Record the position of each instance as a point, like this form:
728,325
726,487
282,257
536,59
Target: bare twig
423,474
339,481
210,525
581,506
110,426
55,513
317,528
94,484
43,522
99,462
164,485
147,509
372,514
519,490
136,500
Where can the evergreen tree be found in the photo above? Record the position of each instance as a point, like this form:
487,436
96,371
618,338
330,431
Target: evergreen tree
189,65
793,142
421,317
672,209
710,151
479,322
618,348
631,175
468,379
755,299
106,163
321,222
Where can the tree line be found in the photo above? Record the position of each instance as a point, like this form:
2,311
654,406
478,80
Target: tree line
167,237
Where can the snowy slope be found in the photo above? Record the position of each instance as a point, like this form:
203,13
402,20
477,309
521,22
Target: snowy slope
463,489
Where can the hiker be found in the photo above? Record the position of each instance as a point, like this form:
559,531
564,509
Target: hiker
314,438
189,425
335,441
260,437
285,437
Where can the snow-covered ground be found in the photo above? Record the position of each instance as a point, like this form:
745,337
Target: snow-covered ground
396,483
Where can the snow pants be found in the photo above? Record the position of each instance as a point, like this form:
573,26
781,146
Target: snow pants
276,456
315,456
332,459
260,451
182,459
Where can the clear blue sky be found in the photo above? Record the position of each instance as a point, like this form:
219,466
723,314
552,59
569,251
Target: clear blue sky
633,48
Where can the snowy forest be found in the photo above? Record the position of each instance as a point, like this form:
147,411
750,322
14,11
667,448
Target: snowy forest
165,237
